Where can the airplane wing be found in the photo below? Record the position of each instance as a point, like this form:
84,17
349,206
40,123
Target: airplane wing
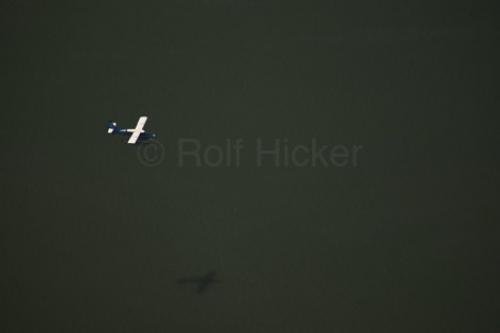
137,130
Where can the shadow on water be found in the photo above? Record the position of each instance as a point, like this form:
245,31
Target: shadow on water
202,282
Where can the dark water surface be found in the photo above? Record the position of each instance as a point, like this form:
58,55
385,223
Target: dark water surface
406,240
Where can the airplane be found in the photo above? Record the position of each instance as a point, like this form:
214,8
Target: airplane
202,281
136,135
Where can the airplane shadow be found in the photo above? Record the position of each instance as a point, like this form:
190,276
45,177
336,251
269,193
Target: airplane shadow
202,282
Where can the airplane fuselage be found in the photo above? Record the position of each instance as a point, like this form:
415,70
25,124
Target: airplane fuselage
127,132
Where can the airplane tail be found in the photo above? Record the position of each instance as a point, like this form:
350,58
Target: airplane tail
112,126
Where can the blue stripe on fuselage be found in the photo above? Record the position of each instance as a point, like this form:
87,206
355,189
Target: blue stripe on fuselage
143,137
